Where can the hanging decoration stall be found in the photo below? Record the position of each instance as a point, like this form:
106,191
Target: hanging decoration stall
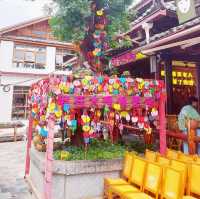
88,104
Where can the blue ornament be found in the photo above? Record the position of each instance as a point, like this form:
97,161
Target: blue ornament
74,123
122,80
100,80
43,132
33,114
66,107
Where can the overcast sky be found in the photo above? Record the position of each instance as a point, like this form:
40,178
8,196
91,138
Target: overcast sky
16,11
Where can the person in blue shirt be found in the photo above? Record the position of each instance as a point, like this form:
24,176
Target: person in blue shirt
188,112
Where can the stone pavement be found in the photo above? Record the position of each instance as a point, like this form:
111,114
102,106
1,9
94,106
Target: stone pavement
12,184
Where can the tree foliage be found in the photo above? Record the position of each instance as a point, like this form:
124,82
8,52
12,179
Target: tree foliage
70,20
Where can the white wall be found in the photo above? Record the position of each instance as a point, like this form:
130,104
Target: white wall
50,58
6,105
6,54
19,76
6,98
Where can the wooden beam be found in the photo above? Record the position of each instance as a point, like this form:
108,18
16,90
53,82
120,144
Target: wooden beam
152,17
190,44
171,45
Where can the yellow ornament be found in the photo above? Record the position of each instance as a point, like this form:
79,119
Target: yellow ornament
84,82
65,89
86,128
117,107
110,88
115,85
100,12
35,123
130,91
85,118
123,114
58,114
100,88
43,118
52,107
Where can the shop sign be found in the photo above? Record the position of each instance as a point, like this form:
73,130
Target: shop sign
185,10
181,78
126,58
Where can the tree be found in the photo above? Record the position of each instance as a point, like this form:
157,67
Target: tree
71,18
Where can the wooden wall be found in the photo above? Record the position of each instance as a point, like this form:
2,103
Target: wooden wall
40,30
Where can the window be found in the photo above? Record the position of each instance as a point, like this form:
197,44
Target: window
29,57
20,102
60,55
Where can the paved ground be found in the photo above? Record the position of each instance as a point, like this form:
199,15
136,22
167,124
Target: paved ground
12,158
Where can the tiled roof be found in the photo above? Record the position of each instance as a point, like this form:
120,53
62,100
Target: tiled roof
144,15
175,29
168,5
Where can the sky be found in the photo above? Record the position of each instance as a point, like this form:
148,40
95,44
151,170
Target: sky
17,11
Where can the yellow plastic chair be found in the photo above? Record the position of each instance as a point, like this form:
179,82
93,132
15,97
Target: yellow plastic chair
194,179
127,165
182,167
197,159
151,155
152,183
186,158
136,180
163,161
172,184
172,154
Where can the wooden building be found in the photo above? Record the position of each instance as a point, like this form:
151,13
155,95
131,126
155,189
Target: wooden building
167,33
28,52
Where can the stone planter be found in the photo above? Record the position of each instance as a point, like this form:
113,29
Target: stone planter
73,179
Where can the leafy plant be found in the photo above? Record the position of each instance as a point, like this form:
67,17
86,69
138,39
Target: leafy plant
98,150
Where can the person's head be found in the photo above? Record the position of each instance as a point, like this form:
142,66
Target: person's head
193,101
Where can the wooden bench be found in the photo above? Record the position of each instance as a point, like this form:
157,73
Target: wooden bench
12,125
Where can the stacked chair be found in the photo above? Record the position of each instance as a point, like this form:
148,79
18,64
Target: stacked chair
173,176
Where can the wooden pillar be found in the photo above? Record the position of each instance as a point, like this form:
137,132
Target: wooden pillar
169,83
198,83
28,147
162,122
49,160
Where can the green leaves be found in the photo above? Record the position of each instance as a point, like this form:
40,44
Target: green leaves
70,20
98,150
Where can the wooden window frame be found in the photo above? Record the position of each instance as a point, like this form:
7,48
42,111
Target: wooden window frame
23,108
63,52
34,51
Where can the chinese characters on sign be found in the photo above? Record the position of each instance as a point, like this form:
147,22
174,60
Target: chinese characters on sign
181,78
